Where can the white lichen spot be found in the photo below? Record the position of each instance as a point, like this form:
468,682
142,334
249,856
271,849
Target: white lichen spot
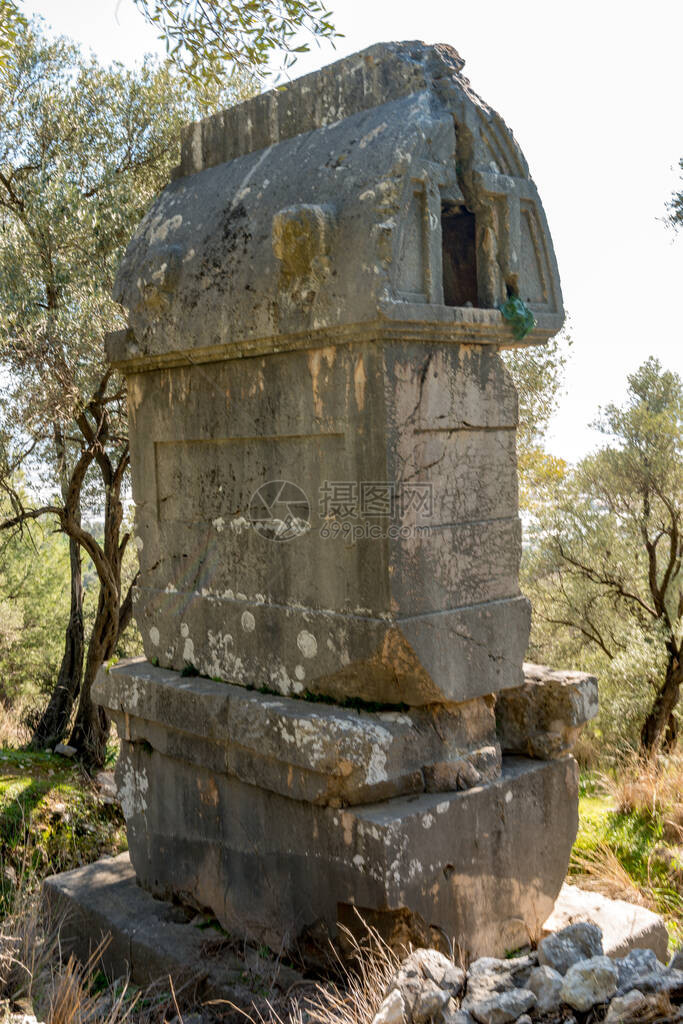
160,228
415,869
307,644
184,629
359,860
139,543
188,652
248,622
298,687
154,636
219,524
239,524
428,821
442,807
134,784
300,672
377,765
372,135
508,796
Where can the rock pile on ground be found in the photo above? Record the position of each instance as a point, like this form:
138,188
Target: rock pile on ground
568,979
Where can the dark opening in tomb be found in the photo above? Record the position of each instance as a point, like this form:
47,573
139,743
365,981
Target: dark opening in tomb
459,256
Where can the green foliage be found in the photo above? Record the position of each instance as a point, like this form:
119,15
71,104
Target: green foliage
538,375
204,36
83,150
208,41
619,851
12,21
603,563
675,205
51,819
34,607
520,316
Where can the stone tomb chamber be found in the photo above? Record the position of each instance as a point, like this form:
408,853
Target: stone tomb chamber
333,711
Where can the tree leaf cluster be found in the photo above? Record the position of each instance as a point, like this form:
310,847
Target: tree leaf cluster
603,564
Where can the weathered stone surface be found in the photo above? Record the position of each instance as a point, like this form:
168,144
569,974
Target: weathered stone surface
669,981
626,1007
589,982
497,990
636,963
545,983
574,943
149,939
543,718
428,610
392,1010
270,867
305,750
258,244
454,1016
500,1007
324,472
510,971
367,374
424,988
425,983
624,926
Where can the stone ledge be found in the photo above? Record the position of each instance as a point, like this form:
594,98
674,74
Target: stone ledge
305,750
543,718
150,939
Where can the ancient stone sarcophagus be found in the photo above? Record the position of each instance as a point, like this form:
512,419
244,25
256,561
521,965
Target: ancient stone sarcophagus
324,472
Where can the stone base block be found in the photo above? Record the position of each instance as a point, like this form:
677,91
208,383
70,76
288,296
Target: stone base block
624,926
484,865
149,939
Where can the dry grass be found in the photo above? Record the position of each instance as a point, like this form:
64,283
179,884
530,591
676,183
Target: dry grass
27,946
649,786
71,998
13,729
600,870
354,999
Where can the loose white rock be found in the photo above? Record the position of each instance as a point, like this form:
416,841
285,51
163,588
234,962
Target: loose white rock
624,1007
574,943
634,965
545,982
392,1009
501,1007
589,982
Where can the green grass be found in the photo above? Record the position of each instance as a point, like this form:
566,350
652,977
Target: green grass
617,851
51,819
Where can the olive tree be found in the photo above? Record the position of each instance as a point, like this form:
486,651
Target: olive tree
604,566
83,149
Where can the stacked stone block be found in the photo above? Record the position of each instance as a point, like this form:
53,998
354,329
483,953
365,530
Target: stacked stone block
324,472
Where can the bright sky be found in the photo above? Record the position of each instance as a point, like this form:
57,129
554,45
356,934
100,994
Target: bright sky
593,92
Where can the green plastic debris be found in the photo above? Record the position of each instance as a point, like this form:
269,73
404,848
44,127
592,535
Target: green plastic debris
520,316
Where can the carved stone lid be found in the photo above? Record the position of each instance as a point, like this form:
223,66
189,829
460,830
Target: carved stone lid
377,198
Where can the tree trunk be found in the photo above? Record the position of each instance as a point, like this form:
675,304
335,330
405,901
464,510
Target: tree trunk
661,716
54,721
91,726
